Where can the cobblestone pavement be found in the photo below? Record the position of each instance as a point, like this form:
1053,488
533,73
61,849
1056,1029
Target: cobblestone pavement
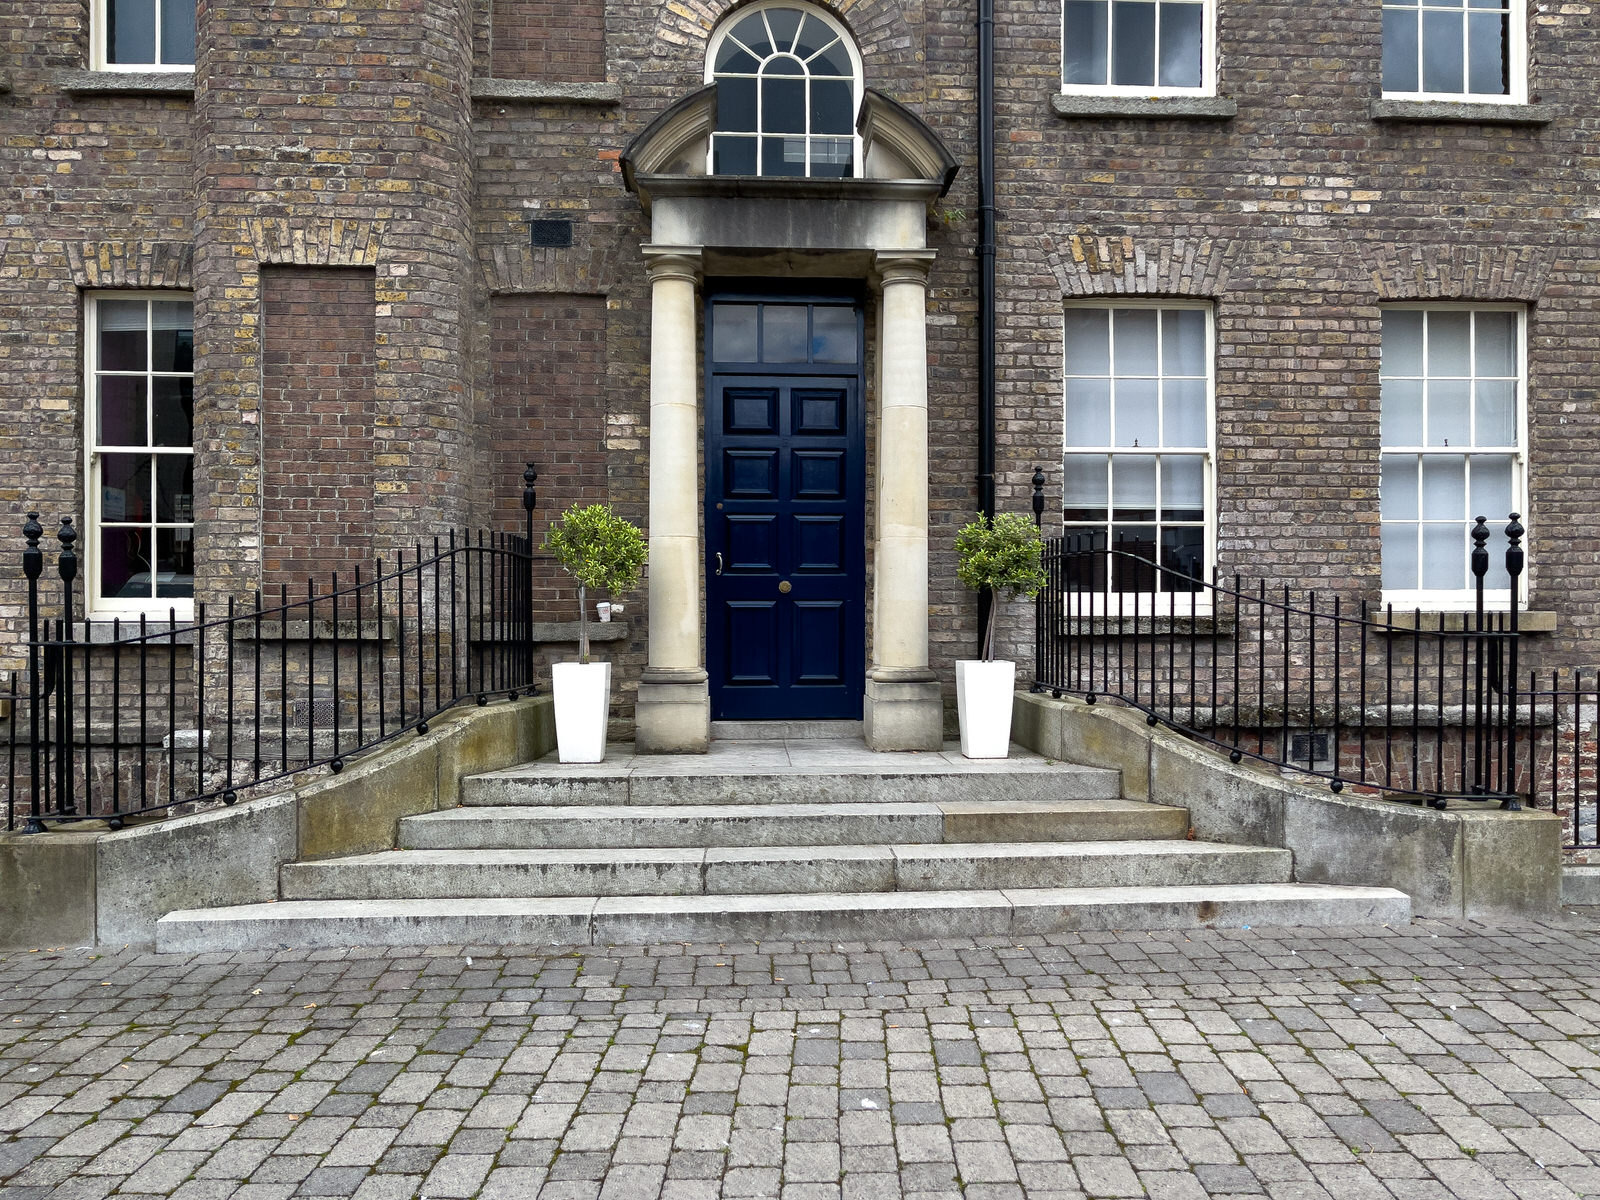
1430,1061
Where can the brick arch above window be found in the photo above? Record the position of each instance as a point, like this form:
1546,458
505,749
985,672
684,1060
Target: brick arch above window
589,267
335,243
131,264
1086,265
1455,272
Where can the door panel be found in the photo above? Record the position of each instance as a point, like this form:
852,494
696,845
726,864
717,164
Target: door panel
751,641
785,582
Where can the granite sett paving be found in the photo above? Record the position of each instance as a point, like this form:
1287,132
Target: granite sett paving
1436,1061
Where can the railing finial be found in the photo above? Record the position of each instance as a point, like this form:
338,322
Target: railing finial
1515,558
1038,496
1480,549
32,556
68,559
529,496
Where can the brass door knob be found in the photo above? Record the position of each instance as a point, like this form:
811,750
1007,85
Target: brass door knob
784,587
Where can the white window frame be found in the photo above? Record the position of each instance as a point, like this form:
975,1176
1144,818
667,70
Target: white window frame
1465,598
99,24
1207,454
1208,62
1517,34
95,603
857,83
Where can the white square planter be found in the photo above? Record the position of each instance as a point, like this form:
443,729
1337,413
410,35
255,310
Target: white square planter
984,693
583,707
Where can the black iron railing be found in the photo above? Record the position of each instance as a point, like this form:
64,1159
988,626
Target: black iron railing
127,716
1410,704
1561,728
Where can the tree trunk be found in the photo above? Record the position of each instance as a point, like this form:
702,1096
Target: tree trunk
583,624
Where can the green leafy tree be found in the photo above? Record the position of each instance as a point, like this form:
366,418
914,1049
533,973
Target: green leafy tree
1005,556
600,550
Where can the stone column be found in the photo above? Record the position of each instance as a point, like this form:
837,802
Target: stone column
903,706
673,714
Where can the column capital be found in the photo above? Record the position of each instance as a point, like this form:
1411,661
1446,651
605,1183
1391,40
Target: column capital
903,266
672,262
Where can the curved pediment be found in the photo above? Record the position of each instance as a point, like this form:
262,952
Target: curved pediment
897,147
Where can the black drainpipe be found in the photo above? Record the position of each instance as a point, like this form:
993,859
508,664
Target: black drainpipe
985,279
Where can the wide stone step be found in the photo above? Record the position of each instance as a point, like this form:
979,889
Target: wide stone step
650,826
724,870
634,920
762,773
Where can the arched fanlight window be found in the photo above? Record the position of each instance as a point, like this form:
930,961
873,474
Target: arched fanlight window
788,85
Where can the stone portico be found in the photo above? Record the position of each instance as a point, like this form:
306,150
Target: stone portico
871,229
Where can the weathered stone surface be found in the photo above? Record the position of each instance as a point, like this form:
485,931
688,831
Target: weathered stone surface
230,856
47,889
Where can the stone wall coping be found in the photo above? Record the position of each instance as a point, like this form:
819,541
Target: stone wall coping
1456,110
1194,108
533,91
124,83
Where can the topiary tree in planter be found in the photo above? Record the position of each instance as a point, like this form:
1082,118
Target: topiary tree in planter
600,550
1006,556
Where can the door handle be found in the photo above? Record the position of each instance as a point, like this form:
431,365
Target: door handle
719,562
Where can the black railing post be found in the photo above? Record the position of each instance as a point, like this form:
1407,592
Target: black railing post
1515,560
67,566
530,498
1480,568
1039,600
32,568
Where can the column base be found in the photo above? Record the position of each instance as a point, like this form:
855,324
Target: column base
903,714
672,714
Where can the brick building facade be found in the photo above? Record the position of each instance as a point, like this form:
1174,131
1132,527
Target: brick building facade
350,198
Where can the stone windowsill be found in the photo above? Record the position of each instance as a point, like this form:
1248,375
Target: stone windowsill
1457,111
125,83
532,91
302,631
1179,108
562,633
103,630
1457,622
1200,625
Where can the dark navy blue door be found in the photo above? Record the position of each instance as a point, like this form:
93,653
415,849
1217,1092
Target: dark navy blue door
785,494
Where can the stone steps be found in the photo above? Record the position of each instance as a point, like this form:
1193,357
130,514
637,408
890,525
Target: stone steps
795,824
780,731
849,777
728,870
794,840
633,920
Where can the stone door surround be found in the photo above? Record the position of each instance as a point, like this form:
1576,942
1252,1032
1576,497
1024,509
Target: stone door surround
872,228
